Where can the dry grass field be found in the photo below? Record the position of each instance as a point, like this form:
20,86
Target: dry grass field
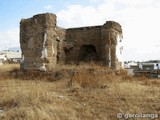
84,92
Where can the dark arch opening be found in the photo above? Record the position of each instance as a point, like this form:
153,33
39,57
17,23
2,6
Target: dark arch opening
87,53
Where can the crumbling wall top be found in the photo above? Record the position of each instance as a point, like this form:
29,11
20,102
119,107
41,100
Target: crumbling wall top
46,20
85,28
113,25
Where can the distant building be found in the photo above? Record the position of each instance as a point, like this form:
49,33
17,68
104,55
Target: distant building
131,67
130,64
151,65
146,66
149,68
10,56
3,57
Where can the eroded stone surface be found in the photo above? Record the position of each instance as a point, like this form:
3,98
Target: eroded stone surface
44,44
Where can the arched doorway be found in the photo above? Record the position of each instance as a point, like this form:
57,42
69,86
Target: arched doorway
87,53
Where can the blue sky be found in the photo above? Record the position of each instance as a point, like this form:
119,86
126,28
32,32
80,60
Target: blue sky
13,10
139,20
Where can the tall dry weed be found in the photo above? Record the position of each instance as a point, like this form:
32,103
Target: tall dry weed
84,79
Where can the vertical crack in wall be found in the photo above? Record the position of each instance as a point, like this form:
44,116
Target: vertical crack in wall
44,49
44,53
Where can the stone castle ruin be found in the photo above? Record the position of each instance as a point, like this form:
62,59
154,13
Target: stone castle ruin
44,44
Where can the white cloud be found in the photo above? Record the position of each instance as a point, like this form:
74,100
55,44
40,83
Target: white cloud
48,7
141,31
139,20
9,38
132,2
76,15
93,0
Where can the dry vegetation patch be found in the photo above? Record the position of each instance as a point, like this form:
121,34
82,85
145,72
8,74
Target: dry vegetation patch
74,93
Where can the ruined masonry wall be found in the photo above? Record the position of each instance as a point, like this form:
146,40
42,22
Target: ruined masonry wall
78,37
111,38
61,57
38,42
106,39
44,44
